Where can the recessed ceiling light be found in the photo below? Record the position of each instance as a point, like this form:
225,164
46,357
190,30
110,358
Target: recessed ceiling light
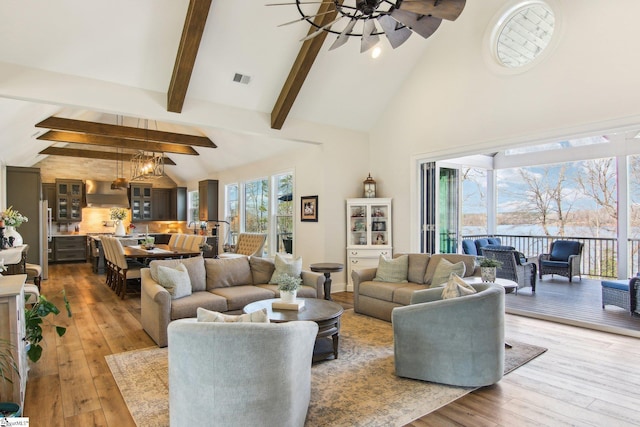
376,52
241,78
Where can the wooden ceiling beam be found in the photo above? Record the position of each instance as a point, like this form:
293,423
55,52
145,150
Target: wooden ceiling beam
187,51
301,67
134,144
105,129
94,154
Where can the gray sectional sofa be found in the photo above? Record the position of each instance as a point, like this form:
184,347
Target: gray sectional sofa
223,285
378,299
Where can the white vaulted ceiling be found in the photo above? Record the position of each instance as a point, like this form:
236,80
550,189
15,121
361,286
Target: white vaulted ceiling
101,60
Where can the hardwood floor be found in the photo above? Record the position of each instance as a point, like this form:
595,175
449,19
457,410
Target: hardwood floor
585,378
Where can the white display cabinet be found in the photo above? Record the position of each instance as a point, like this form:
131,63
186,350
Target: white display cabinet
369,233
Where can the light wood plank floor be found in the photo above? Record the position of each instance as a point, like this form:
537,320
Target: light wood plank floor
586,378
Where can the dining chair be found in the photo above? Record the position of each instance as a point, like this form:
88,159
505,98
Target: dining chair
127,270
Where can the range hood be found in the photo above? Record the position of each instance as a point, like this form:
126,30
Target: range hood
101,195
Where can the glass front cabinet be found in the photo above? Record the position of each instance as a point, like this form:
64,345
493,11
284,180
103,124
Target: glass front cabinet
69,195
140,202
368,233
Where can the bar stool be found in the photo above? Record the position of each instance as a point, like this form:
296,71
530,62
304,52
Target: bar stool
34,272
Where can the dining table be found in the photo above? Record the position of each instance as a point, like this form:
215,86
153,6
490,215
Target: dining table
159,251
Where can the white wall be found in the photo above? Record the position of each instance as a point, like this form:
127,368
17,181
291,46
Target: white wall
333,171
455,102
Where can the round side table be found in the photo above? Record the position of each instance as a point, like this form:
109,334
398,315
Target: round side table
327,268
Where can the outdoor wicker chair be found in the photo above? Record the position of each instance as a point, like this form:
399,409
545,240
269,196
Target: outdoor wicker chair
512,267
622,293
563,259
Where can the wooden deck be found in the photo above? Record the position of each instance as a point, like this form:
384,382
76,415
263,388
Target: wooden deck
578,303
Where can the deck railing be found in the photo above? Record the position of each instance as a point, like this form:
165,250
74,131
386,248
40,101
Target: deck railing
599,255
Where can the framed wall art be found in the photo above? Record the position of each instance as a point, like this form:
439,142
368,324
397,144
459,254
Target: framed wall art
309,208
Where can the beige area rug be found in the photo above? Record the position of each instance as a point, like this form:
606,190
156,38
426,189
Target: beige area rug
358,389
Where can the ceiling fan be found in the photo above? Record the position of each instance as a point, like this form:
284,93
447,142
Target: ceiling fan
368,19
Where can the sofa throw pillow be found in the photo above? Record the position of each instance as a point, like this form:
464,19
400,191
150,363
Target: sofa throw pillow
175,280
283,266
259,316
261,270
392,270
456,287
195,267
444,270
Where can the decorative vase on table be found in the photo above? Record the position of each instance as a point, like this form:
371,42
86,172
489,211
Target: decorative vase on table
120,231
488,274
288,296
10,231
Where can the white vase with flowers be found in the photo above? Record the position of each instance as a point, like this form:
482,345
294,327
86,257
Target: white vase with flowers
117,215
12,219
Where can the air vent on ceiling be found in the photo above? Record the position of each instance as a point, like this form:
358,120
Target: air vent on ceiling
241,78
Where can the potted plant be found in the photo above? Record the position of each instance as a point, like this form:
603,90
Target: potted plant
7,366
11,220
288,287
488,267
35,317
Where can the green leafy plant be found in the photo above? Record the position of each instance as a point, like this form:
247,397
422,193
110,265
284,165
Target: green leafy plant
289,283
34,319
7,361
490,262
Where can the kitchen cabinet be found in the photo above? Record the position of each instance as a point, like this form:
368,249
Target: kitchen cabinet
49,194
179,205
69,248
141,202
169,204
24,192
12,332
208,195
69,195
161,204
368,233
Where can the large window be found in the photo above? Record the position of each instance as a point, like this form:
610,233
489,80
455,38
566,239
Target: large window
264,205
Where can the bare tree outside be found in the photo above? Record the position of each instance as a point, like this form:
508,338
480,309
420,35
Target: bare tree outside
543,199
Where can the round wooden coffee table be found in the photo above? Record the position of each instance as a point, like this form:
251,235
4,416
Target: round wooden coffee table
325,313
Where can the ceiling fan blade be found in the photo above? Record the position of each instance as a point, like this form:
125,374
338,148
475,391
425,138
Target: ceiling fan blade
445,9
423,25
321,29
342,37
300,2
368,38
305,18
395,35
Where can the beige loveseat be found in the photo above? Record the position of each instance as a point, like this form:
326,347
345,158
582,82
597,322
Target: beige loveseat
378,299
223,285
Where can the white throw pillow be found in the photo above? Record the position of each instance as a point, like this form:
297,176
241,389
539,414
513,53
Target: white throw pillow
175,280
392,270
456,287
292,268
259,316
